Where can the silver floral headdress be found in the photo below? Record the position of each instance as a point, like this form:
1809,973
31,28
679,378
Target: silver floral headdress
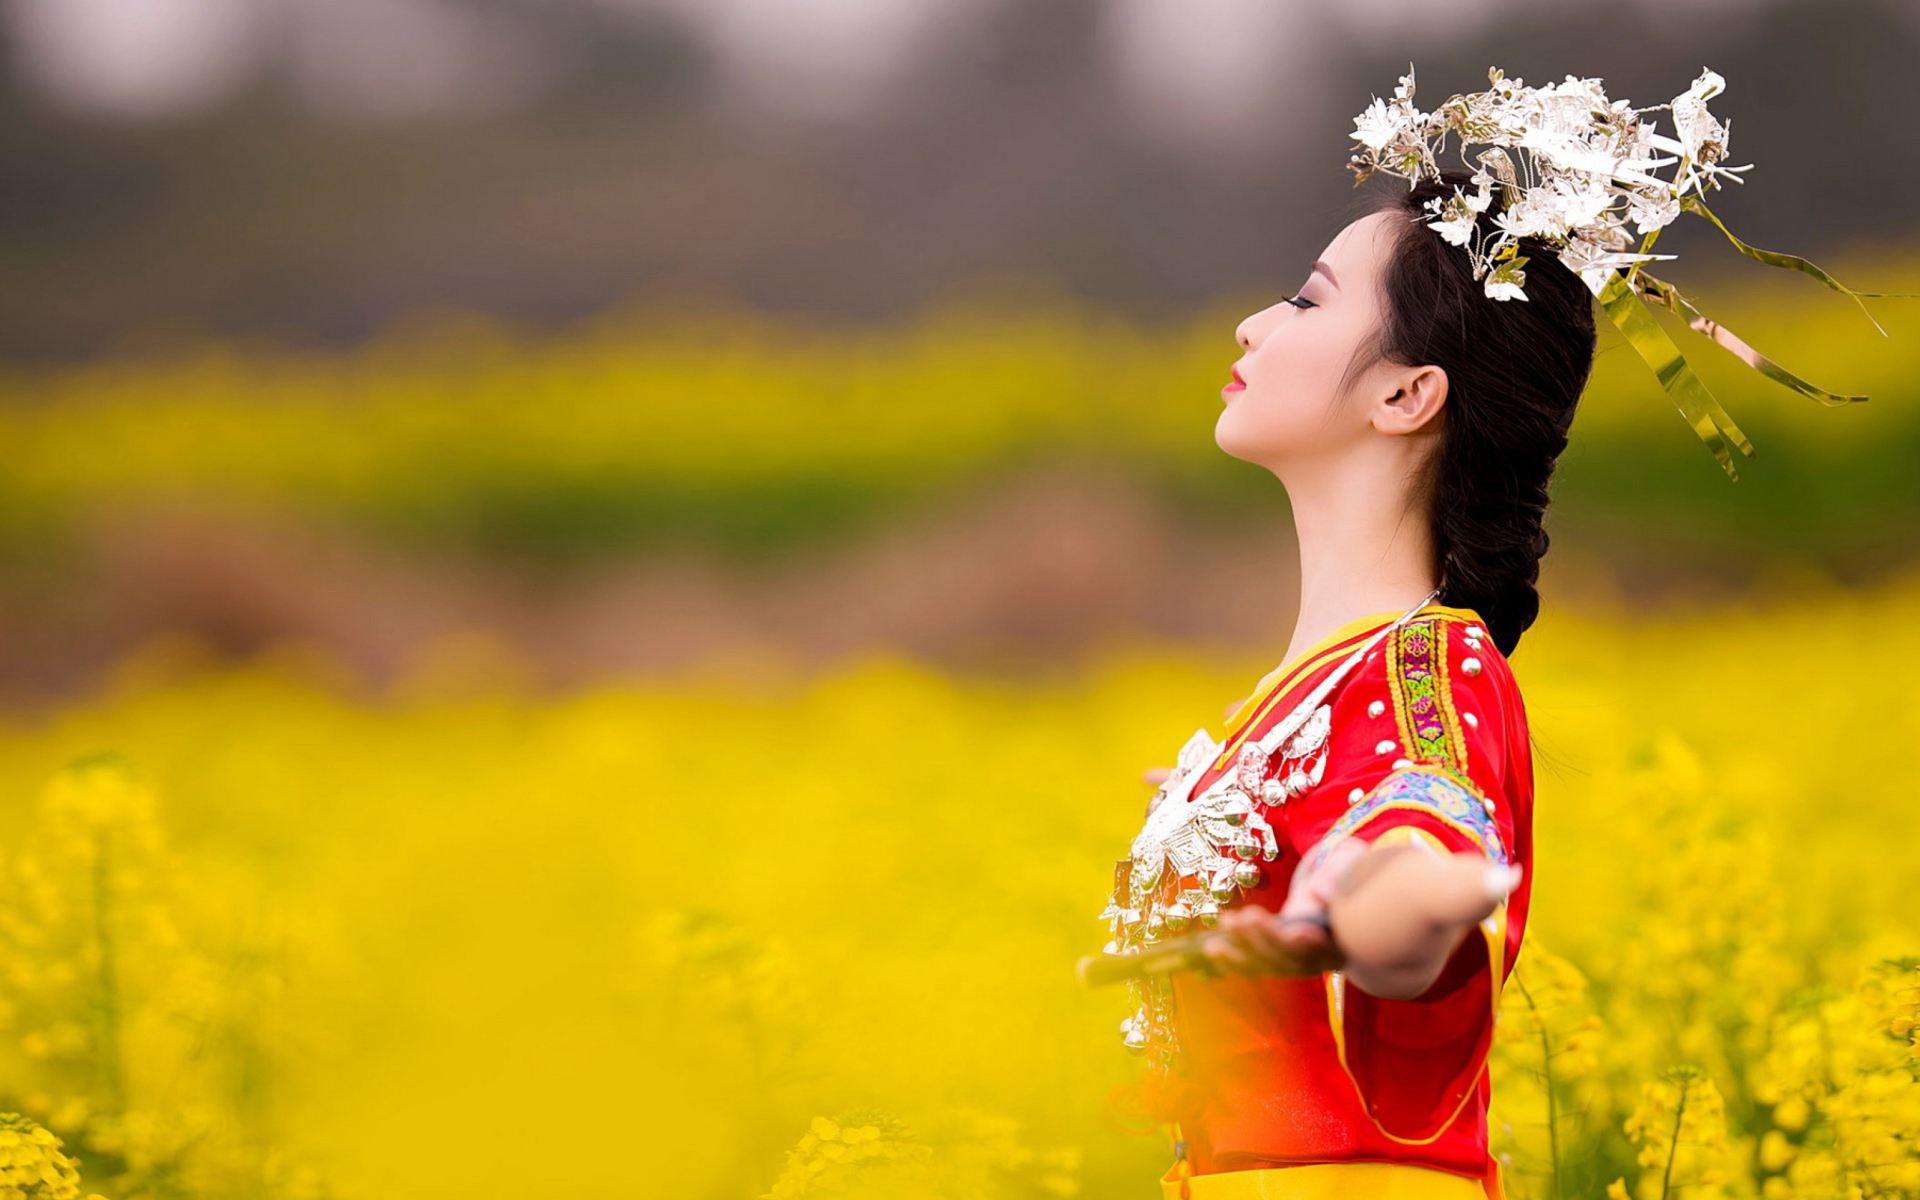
1573,169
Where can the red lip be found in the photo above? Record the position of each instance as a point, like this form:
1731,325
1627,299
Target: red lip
1238,384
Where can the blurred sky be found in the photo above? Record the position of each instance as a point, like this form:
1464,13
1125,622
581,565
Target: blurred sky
1191,67
313,170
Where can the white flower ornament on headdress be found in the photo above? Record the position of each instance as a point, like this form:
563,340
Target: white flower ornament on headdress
1566,166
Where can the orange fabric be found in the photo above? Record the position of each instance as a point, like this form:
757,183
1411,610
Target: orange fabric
1263,1078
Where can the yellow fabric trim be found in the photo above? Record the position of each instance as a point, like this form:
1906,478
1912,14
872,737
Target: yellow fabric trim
1494,929
1254,710
1271,685
1327,1181
1276,682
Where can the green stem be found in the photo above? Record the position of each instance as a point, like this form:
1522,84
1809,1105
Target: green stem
1673,1147
108,975
1546,1073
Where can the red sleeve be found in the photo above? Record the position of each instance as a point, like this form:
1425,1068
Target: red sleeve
1420,751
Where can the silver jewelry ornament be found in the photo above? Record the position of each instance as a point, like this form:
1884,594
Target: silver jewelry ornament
1196,852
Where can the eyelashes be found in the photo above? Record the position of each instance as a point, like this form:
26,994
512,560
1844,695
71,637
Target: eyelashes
1299,301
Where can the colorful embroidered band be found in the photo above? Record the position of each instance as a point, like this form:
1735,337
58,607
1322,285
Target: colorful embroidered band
1429,790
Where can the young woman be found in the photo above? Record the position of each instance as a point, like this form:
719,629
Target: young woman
1368,812
1357,850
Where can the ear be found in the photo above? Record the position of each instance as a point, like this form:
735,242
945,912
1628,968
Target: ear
1421,394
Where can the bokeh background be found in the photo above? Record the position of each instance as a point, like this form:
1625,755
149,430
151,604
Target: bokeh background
584,586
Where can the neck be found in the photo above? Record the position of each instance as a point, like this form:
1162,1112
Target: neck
1364,549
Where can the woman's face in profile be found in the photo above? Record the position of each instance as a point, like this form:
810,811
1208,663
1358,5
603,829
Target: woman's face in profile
1286,404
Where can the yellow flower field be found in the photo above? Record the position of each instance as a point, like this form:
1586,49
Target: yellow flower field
743,935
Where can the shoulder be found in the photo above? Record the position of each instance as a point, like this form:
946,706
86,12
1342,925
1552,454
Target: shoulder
1434,691
1427,729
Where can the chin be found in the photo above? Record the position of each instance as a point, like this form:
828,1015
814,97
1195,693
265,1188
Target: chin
1234,441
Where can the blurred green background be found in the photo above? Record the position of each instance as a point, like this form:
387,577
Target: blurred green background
639,333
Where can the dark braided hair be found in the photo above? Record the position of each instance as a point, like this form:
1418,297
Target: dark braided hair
1515,370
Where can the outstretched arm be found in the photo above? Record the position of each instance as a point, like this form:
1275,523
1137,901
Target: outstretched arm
1388,916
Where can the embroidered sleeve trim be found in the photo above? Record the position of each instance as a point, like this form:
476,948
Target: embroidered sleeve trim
1436,792
1422,695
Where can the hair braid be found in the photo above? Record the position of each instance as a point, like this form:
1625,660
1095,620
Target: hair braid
1515,371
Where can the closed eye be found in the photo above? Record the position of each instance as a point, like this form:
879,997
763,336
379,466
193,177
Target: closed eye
1299,301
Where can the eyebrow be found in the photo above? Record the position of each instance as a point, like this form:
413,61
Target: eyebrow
1326,270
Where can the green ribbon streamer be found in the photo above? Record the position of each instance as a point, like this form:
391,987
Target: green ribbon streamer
1791,262
1635,321
1665,293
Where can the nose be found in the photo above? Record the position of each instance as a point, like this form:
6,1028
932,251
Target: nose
1243,332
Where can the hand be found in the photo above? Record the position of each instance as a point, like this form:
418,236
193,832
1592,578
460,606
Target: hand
1296,941
1402,911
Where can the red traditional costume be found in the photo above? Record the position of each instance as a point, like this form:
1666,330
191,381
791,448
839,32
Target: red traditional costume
1401,727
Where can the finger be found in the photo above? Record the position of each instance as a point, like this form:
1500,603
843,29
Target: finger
1246,914
1462,887
1305,900
1221,952
1468,888
1313,950
1313,887
1304,939
1268,944
1332,874
1155,776
1249,933
1234,708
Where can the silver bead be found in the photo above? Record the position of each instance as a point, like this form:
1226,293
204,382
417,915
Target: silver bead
1401,764
1376,708
1470,666
1155,924
1489,803
1273,792
1209,917
1234,817
1177,917
1472,721
1385,747
1110,948
1247,874
1269,851
1356,796
1475,632
1136,1041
